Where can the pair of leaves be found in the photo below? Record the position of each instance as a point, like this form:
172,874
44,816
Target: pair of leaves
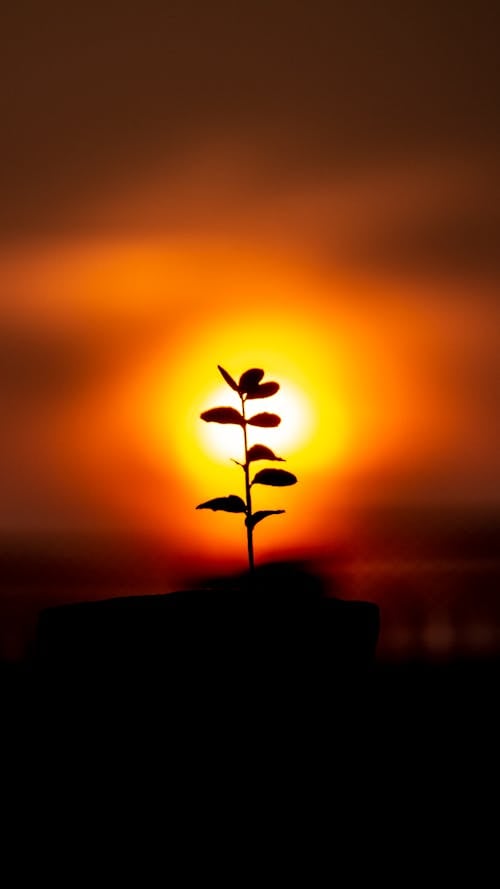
231,415
264,419
257,517
250,383
232,503
236,504
223,415
278,478
261,452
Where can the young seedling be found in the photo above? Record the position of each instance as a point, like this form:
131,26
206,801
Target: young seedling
248,388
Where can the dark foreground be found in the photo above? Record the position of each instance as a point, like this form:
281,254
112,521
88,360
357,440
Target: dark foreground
199,667
213,712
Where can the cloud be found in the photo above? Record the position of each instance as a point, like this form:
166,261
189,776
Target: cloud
46,367
151,156
93,100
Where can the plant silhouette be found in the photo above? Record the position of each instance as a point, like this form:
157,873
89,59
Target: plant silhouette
248,388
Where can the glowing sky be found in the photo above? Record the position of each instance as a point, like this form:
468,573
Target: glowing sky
312,192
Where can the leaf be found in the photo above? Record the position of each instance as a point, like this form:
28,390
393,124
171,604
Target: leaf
265,419
223,415
277,477
228,378
232,503
250,379
251,521
265,390
260,452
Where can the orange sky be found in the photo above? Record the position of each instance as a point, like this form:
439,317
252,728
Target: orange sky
331,220
104,426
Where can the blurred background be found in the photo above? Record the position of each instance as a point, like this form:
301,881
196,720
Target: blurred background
311,190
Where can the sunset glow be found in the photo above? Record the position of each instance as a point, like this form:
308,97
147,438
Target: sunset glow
361,410
294,433
313,435
308,191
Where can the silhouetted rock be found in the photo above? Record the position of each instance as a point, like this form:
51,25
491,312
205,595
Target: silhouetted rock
269,651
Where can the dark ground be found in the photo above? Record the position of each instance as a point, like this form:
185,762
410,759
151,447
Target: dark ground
241,727
300,671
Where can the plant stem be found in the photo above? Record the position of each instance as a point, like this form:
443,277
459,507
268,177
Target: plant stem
248,495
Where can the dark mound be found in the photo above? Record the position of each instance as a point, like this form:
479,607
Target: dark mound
217,641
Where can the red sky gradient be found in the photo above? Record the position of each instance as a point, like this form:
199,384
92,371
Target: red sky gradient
312,191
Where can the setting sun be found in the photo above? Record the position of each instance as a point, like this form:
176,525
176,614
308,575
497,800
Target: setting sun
350,406
306,189
314,435
294,432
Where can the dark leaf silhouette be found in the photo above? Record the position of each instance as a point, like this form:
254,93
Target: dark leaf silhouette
223,415
228,378
251,521
277,477
249,387
265,390
260,452
250,379
226,504
265,419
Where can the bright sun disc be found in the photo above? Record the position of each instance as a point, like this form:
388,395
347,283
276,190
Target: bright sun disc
294,432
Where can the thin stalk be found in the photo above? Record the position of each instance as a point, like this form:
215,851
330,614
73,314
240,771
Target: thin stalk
248,494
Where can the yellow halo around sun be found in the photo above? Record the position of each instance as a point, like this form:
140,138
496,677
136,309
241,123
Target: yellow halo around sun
298,422
313,436
313,432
